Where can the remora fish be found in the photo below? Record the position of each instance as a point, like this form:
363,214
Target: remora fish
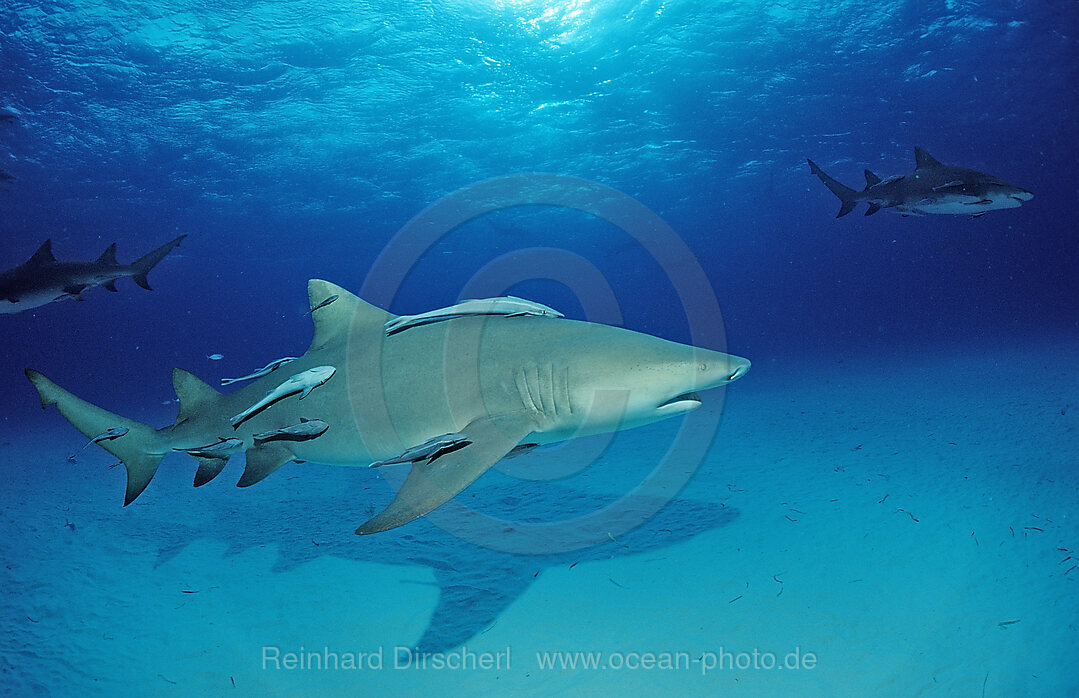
113,433
264,371
212,458
306,429
302,383
509,306
428,451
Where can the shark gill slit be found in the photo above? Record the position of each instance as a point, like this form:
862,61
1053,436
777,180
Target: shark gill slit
520,377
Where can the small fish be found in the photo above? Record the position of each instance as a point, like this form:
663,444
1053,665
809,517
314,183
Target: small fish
113,433
428,451
302,383
508,306
215,357
222,449
264,371
305,430
323,304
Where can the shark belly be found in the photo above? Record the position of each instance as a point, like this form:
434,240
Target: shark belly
964,205
30,300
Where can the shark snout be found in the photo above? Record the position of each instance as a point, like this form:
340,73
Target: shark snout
716,369
740,370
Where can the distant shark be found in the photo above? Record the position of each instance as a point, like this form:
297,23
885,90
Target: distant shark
42,279
931,188
499,381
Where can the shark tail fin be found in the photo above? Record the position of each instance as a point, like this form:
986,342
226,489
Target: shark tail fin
139,449
144,264
846,195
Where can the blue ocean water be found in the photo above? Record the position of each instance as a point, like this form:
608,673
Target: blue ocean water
294,140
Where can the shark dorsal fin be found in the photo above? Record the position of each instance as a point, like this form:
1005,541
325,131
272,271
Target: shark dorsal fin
193,392
108,256
43,255
871,180
922,159
347,312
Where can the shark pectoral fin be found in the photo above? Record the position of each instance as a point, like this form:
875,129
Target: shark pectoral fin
262,461
209,468
431,484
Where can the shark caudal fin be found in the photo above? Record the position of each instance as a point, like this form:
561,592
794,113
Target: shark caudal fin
144,264
140,448
846,195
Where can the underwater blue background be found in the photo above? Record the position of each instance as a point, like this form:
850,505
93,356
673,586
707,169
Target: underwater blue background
291,140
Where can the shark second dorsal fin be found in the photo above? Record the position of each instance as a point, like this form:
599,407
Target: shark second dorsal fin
193,392
922,159
871,180
346,312
43,255
108,256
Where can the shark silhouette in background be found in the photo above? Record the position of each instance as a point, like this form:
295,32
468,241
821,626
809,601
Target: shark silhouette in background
475,584
931,188
42,280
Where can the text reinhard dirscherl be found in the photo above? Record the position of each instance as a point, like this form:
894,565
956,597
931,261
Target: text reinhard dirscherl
401,657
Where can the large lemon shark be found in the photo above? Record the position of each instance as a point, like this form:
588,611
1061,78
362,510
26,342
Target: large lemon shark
481,385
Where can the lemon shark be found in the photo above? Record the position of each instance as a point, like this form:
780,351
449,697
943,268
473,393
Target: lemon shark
932,188
42,279
499,381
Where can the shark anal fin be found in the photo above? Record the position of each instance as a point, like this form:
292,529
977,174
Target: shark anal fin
111,286
432,483
873,208
209,468
262,461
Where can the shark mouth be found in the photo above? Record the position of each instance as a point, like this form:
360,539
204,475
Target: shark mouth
679,399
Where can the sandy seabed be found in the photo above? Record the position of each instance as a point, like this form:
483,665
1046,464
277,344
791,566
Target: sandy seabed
896,525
